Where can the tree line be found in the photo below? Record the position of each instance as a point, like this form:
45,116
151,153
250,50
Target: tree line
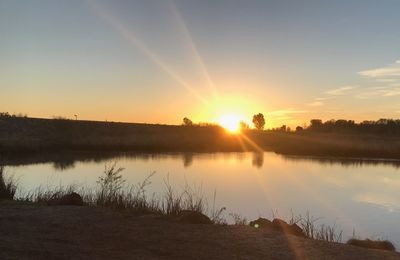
258,122
381,126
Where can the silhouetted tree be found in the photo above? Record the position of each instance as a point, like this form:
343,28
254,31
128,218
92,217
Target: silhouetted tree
244,125
187,121
4,114
381,126
315,123
259,121
299,129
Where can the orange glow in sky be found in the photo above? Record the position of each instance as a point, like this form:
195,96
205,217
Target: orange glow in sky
159,62
230,123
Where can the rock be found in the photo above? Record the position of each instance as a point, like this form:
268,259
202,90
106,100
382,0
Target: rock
283,226
193,217
261,223
367,243
73,199
297,231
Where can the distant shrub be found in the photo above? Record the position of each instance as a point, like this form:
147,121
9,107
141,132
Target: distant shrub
60,118
187,122
4,114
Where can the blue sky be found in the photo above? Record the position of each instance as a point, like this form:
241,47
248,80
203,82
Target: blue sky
158,61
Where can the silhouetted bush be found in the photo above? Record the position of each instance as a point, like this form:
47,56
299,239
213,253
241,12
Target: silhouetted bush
187,122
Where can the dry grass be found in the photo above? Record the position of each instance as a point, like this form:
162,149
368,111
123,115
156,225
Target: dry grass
112,192
238,219
313,230
8,186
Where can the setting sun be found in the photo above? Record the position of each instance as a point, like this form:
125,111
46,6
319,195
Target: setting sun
230,123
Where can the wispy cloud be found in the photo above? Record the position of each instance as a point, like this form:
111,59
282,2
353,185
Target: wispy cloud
322,98
386,72
386,80
375,92
370,93
316,104
340,91
392,92
388,75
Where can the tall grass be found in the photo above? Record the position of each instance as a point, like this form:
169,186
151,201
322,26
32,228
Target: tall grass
238,219
43,195
312,230
8,186
112,192
216,213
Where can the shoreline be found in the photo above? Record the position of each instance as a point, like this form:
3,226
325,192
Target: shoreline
24,136
71,157
65,232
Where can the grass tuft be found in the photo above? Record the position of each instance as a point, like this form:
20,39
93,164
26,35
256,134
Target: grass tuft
8,186
238,219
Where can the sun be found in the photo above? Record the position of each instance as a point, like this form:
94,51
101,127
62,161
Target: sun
230,122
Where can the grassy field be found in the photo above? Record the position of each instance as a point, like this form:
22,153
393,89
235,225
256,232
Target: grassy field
20,135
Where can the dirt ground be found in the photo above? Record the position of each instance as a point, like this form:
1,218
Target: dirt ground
30,231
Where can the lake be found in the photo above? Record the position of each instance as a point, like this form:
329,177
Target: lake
354,194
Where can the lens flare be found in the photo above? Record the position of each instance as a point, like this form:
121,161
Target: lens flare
230,122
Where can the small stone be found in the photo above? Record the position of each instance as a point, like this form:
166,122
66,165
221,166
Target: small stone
193,217
261,223
73,199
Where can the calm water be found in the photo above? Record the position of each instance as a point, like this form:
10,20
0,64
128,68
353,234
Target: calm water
360,195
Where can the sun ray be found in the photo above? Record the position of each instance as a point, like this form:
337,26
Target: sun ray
189,39
133,39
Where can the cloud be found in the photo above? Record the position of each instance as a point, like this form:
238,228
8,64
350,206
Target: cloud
378,92
392,92
322,98
340,91
386,80
392,70
381,72
316,104
389,75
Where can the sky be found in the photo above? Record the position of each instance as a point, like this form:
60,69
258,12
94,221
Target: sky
159,61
